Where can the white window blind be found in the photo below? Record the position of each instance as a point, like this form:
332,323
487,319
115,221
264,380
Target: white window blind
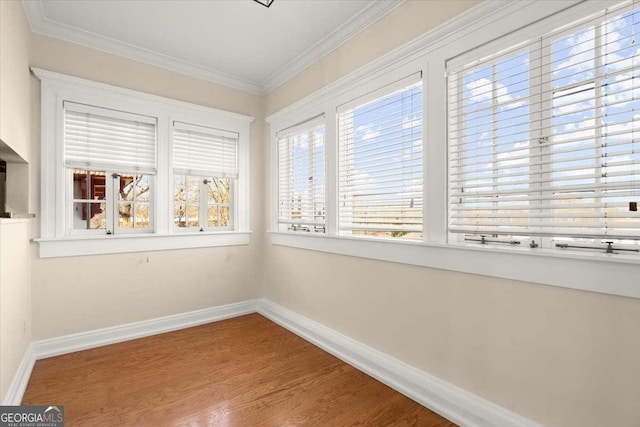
99,138
543,137
301,183
204,151
380,162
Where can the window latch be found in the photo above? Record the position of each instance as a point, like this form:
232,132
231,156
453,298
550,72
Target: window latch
609,249
483,241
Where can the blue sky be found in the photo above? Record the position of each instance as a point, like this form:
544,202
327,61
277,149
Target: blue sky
583,144
384,161
307,181
386,137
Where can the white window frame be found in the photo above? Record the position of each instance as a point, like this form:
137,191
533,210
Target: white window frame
116,208
309,124
328,108
203,207
55,241
353,105
112,207
518,22
541,52
202,188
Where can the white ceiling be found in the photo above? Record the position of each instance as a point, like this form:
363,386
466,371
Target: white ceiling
238,43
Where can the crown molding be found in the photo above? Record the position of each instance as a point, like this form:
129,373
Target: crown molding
40,24
411,50
356,24
486,14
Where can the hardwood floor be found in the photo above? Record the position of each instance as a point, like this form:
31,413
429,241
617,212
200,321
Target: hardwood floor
245,371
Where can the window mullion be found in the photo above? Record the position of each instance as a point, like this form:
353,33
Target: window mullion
69,204
600,162
203,215
311,197
494,138
544,135
458,122
111,211
233,204
290,177
161,192
332,168
435,153
540,101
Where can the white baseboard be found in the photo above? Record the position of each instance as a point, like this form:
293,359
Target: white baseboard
453,403
99,337
115,334
20,379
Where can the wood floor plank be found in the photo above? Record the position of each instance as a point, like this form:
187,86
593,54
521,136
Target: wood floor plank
245,371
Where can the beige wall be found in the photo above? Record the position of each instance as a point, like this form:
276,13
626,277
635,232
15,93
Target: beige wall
15,297
83,293
15,132
558,356
14,83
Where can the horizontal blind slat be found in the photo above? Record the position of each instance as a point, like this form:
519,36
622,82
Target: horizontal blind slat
200,150
542,136
301,195
380,163
113,140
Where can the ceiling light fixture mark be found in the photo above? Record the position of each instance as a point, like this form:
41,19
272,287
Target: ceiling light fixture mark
266,3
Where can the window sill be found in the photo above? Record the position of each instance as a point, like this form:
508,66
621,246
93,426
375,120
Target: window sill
4,221
597,272
92,245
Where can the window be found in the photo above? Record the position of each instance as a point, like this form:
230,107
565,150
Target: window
301,183
110,160
205,166
543,142
380,162
527,139
211,211
125,171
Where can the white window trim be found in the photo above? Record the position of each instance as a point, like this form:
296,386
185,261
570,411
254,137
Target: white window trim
392,83
309,125
112,203
598,272
54,241
203,209
124,243
603,273
541,97
329,109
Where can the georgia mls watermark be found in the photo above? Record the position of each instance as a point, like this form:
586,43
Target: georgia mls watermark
31,416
